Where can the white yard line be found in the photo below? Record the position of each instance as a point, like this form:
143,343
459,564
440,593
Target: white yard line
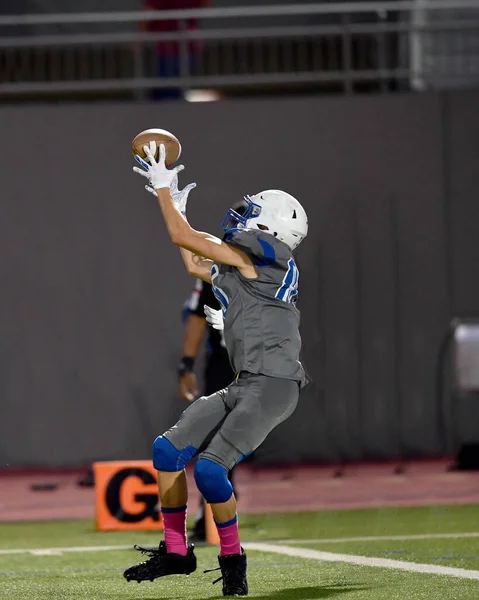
364,561
382,538
278,547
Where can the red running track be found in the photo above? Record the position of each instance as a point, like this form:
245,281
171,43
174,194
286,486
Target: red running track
263,490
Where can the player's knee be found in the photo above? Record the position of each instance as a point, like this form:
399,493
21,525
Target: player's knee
212,481
168,458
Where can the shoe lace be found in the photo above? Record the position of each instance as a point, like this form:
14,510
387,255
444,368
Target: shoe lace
151,553
211,571
229,576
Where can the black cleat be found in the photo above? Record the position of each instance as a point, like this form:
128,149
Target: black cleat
233,574
161,563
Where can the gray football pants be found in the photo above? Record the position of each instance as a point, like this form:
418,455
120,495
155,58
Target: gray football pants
230,424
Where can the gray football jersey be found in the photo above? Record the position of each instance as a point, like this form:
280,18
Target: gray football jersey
261,321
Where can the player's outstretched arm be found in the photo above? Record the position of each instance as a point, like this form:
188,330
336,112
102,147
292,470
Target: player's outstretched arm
181,234
197,265
195,329
199,243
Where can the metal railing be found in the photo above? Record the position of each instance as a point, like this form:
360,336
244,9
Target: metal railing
345,47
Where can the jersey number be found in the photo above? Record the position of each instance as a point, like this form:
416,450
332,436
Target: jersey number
218,292
288,292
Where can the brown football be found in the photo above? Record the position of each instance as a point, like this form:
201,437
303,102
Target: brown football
160,136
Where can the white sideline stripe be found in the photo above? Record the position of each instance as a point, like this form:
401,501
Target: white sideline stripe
379,538
363,561
383,538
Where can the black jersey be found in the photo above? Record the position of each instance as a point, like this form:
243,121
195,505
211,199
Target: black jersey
203,294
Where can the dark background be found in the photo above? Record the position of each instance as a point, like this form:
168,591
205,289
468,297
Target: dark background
92,289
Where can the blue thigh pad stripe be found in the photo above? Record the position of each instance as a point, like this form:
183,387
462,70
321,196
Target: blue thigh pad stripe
212,481
168,458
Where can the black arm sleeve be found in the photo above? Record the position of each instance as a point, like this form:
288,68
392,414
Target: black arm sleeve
202,294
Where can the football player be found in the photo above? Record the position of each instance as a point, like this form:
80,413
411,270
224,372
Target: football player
255,279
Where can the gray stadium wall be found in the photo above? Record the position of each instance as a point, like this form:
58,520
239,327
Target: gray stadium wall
92,289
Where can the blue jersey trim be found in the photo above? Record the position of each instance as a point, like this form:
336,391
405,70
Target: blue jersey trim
269,255
218,292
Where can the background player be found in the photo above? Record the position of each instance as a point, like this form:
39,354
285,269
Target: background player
255,279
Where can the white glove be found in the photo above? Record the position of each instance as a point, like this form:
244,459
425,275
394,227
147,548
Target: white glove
180,198
214,318
156,172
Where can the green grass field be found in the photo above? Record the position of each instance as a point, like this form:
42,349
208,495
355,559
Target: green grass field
34,566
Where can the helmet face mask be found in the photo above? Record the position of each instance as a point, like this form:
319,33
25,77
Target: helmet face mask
273,211
234,220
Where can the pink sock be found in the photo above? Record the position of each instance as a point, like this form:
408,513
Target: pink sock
174,520
229,537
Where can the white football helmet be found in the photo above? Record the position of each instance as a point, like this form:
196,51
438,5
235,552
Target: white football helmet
274,212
